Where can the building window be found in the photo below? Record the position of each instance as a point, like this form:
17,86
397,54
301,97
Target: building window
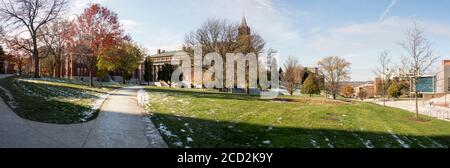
448,83
425,85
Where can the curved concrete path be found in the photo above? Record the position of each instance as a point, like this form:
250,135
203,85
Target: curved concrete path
121,124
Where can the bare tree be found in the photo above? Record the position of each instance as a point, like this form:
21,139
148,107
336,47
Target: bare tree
292,75
335,70
215,35
55,37
419,57
384,72
362,94
222,36
26,18
18,56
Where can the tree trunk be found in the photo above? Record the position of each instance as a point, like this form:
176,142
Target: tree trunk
68,67
59,69
334,96
384,94
36,56
91,79
54,71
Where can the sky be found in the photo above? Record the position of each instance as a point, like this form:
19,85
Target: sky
357,30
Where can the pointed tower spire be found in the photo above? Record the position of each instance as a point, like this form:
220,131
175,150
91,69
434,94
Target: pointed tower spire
244,29
244,22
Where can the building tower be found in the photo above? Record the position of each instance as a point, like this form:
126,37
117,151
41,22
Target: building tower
244,30
244,39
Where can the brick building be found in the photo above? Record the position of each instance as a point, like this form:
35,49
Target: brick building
74,68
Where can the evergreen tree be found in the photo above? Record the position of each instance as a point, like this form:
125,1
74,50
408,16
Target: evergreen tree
148,73
165,74
395,90
311,85
280,74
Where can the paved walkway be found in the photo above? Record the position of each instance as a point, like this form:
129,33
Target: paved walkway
120,124
425,109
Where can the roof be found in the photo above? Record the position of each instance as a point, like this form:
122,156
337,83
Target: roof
427,76
167,53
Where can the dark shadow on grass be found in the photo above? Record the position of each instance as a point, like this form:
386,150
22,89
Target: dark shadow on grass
222,134
48,111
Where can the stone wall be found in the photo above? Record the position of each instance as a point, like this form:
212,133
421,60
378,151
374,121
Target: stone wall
430,96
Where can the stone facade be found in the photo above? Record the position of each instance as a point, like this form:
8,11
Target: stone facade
443,77
164,57
160,58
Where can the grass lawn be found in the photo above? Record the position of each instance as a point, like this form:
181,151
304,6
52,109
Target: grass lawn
188,118
53,100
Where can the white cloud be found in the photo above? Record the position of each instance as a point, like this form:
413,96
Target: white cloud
360,36
264,16
361,43
131,25
77,6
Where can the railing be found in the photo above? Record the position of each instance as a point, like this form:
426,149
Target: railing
437,113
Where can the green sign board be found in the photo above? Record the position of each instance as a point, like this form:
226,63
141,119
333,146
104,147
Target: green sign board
426,84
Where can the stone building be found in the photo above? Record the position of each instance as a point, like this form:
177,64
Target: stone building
164,57
443,77
160,58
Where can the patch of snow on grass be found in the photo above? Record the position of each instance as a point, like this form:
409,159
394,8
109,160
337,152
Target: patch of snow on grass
164,130
419,143
366,143
437,144
179,144
10,101
267,142
400,141
143,98
329,143
96,105
314,143
52,92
